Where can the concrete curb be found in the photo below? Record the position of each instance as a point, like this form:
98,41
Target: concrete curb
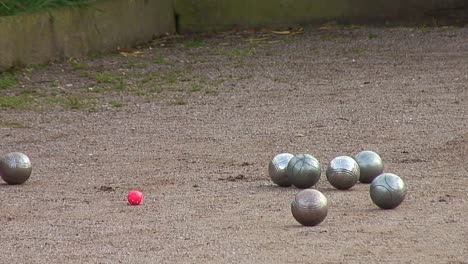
205,15
78,31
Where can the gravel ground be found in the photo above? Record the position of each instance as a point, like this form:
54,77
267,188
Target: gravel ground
193,122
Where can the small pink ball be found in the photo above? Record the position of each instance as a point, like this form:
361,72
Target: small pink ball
135,197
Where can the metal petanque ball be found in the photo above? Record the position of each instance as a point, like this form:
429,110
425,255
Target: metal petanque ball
370,164
277,169
343,172
304,171
309,207
388,191
15,168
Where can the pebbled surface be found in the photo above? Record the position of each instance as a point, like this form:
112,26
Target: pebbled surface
203,164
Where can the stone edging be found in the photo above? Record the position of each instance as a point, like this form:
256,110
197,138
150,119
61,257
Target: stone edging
78,31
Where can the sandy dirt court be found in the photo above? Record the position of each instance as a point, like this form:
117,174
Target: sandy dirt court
193,122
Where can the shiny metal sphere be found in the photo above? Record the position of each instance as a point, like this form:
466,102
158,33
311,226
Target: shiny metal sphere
15,168
277,169
343,172
370,164
388,191
304,171
309,207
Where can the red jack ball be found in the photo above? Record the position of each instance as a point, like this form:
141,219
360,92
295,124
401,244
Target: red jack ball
135,197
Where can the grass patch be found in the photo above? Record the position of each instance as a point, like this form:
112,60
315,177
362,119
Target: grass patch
76,103
196,88
120,85
108,78
32,92
54,100
16,102
105,77
97,55
73,102
422,28
12,124
170,78
117,104
54,84
13,7
155,89
78,65
372,35
8,80
158,59
243,52
134,63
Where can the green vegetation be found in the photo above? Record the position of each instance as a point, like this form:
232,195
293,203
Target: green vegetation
196,87
78,65
106,77
13,7
242,52
8,80
36,99
89,85
158,59
76,102
372,35
134,63
155,89
11,124
173,85
171,77
116,104
115,80
15,102
422,28
73,102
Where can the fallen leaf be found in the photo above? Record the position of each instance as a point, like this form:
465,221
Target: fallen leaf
287,32
128,52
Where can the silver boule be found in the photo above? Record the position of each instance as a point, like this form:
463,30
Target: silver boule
343,172
370,164
309,207
277,169
304,171
388,191
15,168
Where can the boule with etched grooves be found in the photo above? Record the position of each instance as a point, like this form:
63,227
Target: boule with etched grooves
309,207
304,171
388,190
342,172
